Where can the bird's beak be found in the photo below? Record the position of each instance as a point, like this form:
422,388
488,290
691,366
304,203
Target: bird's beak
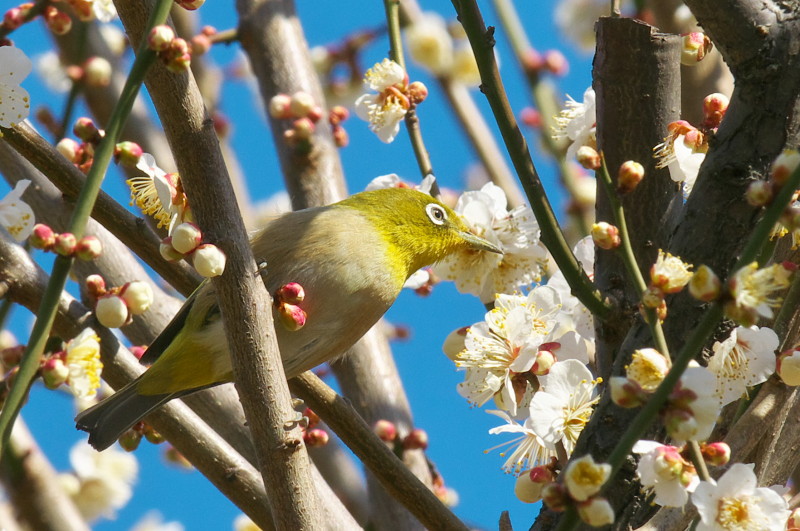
479,243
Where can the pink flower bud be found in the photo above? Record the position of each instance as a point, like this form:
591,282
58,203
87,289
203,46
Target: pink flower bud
532,61
160,38
13,18
794,520
177,57
531,117
86,130
300,104
629,176
555,496
606,235
303,128
138,296
626,393
705,284
54,372
759,193
530,484
556,63
200,44
111,311
84,9
128,153
340,137
138,351
315,114
186,237
130,440
417,92
293,293
714,107
42,237
716,454
96,286
788,366
190,5
57,21
65,244
588,157
168,252
784,166
88,248
545,359
316,438
416,440
280,107
385,430
209,261
97,72
338,114
695,47
69,148
291,316
152,436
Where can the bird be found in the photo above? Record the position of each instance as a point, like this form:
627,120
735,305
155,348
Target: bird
351,260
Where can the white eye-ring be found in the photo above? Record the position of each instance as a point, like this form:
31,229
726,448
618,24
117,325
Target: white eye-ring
436,213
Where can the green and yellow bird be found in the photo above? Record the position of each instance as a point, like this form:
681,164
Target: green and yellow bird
351,258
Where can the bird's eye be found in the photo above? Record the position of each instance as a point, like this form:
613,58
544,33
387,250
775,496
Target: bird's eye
436,213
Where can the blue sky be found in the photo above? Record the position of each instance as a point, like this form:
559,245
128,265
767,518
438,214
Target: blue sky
458,434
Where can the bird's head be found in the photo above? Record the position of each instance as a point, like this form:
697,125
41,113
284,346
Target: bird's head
418,229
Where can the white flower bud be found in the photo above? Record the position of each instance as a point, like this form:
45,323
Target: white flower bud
138,296
208,260
111,311
186,237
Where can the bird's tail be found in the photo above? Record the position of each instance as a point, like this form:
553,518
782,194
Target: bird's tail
107,421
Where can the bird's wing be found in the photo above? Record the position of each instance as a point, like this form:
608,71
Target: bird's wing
165,338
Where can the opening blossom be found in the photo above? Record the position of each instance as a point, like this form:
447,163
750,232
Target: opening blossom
746,358
578,122
15,104
389,106
682,153
670,273
156,193
663,469
16,216
693,405
515,232
737,502
83,362
754,292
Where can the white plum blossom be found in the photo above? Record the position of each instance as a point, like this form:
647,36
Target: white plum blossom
16,216
507,342
154,193
430,44
682,153
52,72
515,232
388,107
561,409
755,290
736,502
101,481
15,102
104,10
746,358
84,365
700,405
662,468
529,449
578,122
